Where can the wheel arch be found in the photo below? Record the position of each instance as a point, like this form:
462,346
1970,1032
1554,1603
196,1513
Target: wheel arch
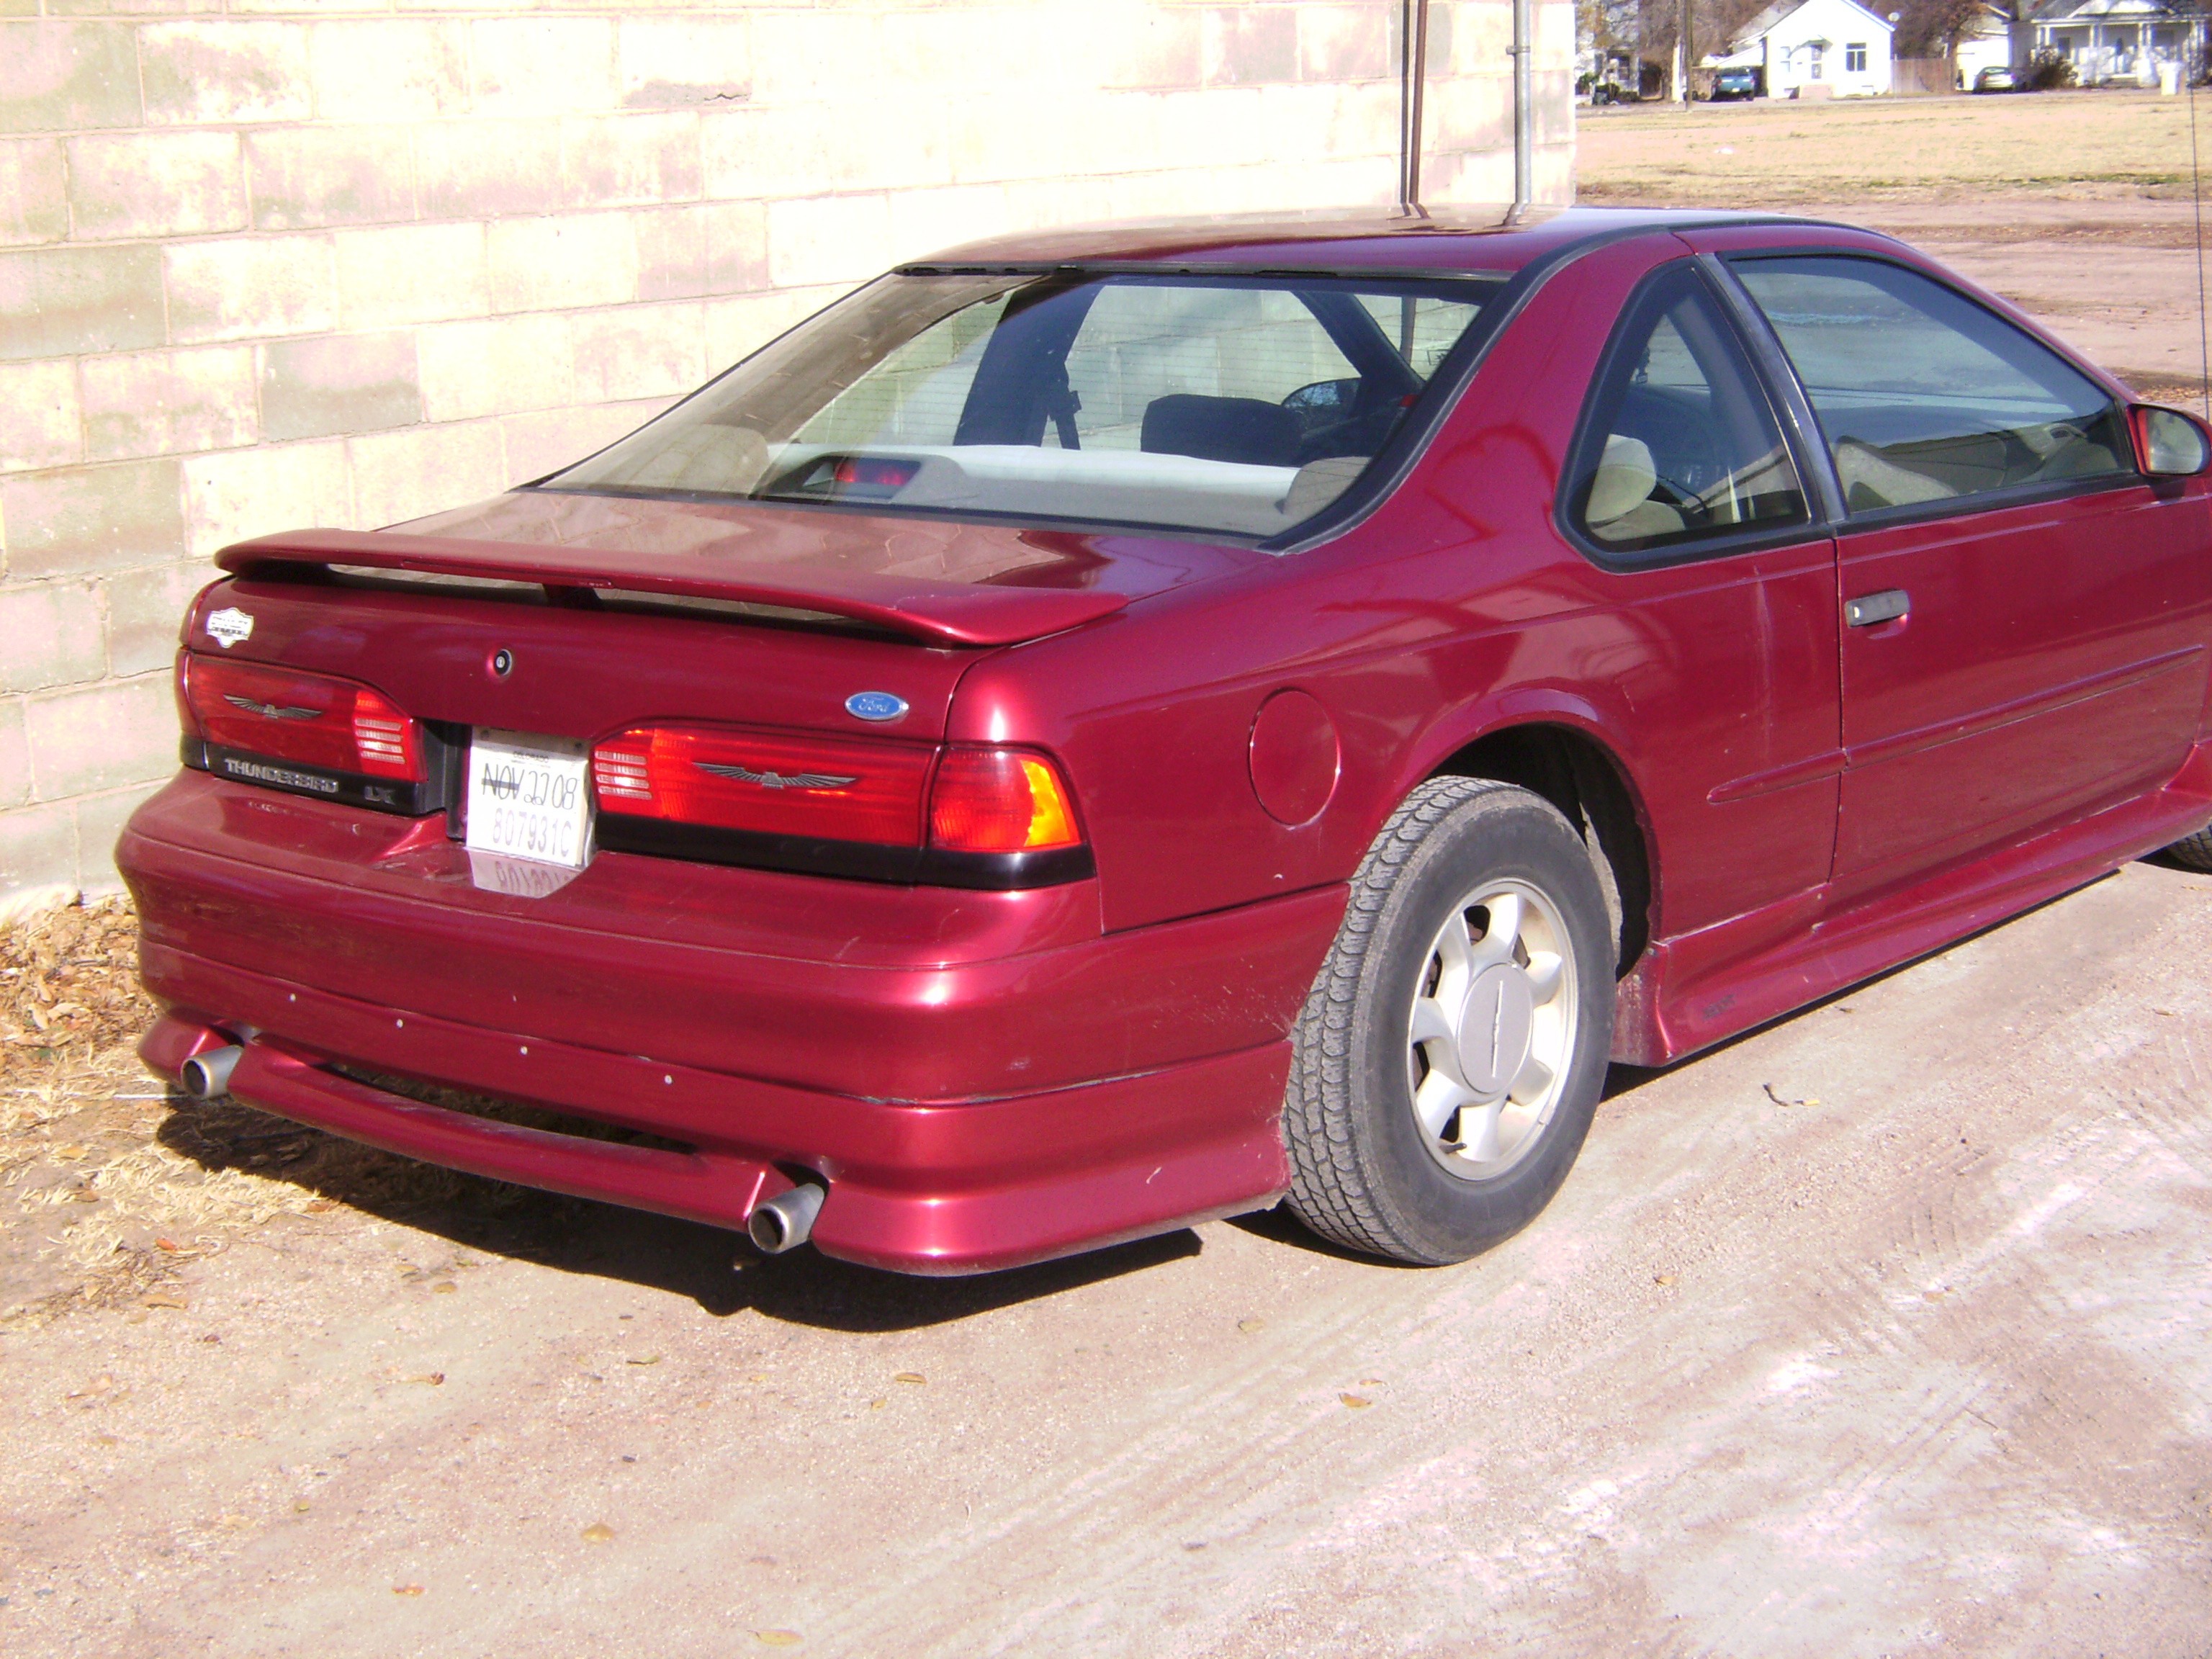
1576,770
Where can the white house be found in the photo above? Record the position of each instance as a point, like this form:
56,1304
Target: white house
1814,49
2124,41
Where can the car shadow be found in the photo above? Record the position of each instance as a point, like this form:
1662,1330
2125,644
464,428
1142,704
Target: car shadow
718,1271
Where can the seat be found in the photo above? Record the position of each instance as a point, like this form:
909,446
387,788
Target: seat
1621,507
1242,429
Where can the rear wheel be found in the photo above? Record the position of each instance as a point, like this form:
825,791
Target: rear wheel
2193,851
1451,1052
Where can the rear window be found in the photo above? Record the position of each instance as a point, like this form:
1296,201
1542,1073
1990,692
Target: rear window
1238,405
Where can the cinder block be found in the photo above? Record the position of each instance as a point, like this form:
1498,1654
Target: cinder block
242,493
1472,113
925,220
303,178
671,62
53,636
334,384
496,367
99,821
1043,203
91,518
33,202
166,403
620,159
225,71
156,184
737,328
639,351
1249,45
684,252
40,419
1162,49
549,440
244,289
411,274
14,769
896,139
1346,43
561,264
387,70
64,77
811,56
55,301
398,475
38,845
829,239
543,66
145,610
1033,134
480,169
101,738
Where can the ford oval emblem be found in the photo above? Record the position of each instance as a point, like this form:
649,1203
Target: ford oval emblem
874,706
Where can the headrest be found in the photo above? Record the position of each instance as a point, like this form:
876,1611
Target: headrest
1623,480
1244,429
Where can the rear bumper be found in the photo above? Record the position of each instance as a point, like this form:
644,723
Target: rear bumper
773,1024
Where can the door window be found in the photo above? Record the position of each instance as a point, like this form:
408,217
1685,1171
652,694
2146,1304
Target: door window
1923,396
1682,444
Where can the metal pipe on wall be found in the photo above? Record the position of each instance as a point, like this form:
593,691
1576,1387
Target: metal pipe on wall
1524,141
1413,76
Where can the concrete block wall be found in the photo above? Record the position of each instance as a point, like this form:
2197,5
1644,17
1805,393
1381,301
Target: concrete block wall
269,264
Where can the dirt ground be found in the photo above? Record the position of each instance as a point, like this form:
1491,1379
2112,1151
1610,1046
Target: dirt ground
1882,1331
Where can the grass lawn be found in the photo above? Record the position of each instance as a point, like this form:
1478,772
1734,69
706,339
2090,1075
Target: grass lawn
2050,145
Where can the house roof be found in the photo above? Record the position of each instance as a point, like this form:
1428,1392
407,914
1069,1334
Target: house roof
2083,11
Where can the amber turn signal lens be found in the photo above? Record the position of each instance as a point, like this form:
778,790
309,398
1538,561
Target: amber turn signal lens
1001,800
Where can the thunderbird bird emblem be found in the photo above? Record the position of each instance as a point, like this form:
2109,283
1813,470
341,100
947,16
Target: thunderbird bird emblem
269,710
775,780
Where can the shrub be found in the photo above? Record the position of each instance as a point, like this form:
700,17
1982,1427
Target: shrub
2049,71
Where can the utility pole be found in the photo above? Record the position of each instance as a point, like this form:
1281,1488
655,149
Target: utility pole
1682,58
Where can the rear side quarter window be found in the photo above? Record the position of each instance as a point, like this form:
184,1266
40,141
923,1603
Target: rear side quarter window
1679,446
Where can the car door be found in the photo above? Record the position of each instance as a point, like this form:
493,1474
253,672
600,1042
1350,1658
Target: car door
2024,613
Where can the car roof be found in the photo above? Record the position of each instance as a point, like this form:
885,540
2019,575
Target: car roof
1442,240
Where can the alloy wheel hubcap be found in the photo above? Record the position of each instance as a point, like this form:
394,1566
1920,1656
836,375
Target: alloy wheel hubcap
1492,1028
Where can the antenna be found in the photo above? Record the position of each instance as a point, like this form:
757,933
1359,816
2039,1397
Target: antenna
2196,196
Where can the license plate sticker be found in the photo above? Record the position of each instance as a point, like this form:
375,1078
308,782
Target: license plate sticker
527,797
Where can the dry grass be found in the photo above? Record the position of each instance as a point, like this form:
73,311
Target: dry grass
2052,146
108,1178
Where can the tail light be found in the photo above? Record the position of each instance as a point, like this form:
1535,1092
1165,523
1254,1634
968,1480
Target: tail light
818,788
1001,800
312,720
310,734
963,816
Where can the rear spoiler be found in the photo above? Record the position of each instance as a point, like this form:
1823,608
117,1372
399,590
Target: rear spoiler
936,612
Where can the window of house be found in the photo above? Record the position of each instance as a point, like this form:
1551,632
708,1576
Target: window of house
1922,395
1680,443
1814,56
1855,58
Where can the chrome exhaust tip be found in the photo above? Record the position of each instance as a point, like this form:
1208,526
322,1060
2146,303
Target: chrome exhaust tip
785,1221
206,1076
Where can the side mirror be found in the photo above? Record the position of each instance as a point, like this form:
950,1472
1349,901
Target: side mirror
2168,443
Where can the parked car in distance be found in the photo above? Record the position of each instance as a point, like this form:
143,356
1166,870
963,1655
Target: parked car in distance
1608,92
1104,729
1738,83
1997,77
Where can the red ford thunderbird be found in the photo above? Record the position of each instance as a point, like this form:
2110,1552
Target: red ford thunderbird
1103,730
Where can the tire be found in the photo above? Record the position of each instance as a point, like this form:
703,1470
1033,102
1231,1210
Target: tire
1370,1051
2193,851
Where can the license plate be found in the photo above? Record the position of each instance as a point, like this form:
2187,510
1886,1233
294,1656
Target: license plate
527,798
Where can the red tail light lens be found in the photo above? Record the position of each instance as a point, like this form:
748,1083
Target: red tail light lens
310,720
823,789
1001,800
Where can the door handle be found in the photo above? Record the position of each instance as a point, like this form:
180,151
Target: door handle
1878,608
